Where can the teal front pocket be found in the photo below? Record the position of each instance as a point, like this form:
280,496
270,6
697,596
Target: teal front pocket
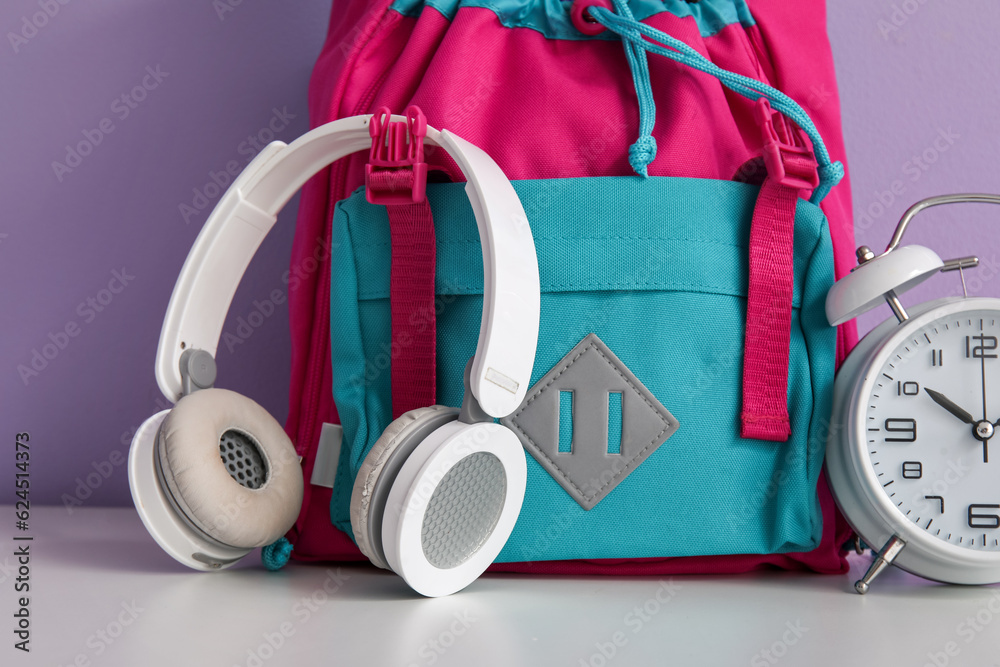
657,269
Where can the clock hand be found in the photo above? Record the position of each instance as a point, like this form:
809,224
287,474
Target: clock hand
950,406
983,365
986,441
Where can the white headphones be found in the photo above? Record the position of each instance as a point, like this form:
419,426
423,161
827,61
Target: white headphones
438,494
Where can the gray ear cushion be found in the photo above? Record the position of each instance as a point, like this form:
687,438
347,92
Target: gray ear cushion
379,469
200,484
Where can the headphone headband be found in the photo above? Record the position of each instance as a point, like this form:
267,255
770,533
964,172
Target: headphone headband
511,301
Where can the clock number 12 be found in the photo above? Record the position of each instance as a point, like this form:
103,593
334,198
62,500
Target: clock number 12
983,350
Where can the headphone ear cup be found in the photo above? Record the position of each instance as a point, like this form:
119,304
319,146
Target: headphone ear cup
453,505
379,470
229,468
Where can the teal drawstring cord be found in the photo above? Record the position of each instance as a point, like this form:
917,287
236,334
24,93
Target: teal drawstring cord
634,34
275,556
643,151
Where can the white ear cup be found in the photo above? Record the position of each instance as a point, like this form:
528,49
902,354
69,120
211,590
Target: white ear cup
250,499
379,470
213,478
453,506
175,535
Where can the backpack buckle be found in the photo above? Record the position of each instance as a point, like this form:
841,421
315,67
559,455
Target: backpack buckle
396,172
786,156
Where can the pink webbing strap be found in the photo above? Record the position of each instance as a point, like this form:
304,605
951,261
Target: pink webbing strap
396,176
790,169
769,314
411,300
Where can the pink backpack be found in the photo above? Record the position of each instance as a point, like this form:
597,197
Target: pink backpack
521,80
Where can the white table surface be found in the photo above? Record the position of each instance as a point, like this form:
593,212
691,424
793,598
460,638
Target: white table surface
102,593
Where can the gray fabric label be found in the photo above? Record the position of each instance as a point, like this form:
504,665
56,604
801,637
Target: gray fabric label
590,422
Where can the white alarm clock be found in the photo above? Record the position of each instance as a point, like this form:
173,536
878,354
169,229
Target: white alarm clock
916,408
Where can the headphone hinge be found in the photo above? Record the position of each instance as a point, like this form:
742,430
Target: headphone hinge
198,371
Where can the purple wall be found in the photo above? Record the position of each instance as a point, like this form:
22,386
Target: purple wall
65,233
919,99
919,118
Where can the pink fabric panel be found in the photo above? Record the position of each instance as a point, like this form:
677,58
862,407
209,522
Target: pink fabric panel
528,115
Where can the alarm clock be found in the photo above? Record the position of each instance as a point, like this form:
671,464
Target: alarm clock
913,455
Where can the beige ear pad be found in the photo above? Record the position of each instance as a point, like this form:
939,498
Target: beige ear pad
229,468
379,470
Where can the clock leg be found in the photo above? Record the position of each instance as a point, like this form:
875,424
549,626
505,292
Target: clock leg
884,559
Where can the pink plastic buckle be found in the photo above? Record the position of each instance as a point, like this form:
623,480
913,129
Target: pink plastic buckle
785,155
392,158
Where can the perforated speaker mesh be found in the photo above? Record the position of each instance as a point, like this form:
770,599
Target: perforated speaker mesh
242,458
464,510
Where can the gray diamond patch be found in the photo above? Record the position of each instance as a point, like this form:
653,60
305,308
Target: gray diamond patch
603,447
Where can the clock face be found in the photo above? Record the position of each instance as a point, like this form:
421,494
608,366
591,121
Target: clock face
931,415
